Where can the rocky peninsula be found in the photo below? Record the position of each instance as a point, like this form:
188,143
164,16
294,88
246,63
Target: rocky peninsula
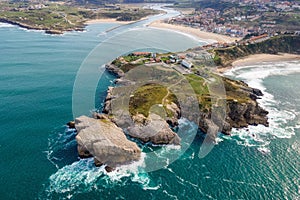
153,91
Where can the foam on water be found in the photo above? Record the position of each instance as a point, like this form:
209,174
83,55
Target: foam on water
5,25
83,176
279,119
60,141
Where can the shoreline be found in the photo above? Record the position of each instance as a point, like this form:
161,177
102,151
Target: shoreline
106,20
47,30
201,35
256,59
62,31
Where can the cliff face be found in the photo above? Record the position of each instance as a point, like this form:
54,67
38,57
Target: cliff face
244,114
274,45
241,108
152,128
103,140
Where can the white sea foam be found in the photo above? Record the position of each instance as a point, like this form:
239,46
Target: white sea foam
31,30
5,25
261,136
83,176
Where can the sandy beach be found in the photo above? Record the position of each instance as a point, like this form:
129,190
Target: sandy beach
259,58
202,35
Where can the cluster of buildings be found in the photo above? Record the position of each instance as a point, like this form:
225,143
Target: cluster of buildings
24,7
261,17
168,59
209,20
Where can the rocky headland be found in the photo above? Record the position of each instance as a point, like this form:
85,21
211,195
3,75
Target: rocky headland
241,106
149,99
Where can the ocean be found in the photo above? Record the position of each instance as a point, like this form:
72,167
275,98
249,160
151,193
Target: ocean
45,79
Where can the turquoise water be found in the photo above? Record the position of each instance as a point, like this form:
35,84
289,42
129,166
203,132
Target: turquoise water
38,156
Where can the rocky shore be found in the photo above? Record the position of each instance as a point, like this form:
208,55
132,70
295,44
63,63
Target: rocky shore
238,114
104,136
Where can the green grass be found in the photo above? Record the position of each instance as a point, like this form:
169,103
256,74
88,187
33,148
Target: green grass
127,14
64,17
147,96
51,17
234,91
201,90
197,84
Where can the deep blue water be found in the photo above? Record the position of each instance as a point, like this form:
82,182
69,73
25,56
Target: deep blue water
38,156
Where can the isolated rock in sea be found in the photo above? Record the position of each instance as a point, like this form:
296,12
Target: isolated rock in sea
103,140
156,130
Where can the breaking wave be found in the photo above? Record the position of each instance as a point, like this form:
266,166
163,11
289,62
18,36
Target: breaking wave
5,25
282,121
80,176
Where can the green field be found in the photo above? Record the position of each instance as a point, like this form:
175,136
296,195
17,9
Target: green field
64,17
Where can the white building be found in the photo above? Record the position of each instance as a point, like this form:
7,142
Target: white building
186,64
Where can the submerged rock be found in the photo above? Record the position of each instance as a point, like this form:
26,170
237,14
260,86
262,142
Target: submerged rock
103,140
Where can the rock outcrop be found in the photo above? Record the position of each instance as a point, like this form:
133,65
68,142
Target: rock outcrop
71,124
109,97
239,113
114,70
176,114
243,114
103,140
155,130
